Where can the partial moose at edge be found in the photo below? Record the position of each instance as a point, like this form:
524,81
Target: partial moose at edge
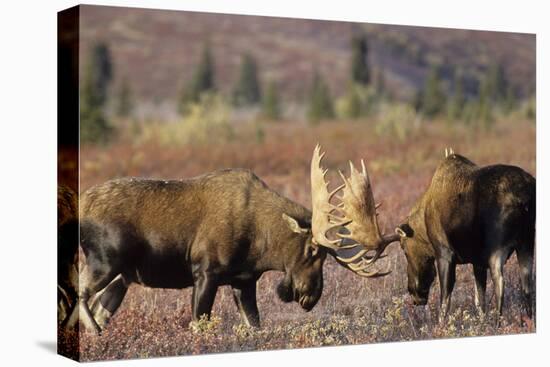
67,250
223,228
468,215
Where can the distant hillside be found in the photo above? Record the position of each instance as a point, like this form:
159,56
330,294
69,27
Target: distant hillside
157,50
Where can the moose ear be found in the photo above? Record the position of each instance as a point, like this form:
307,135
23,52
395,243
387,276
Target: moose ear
404,230
294,225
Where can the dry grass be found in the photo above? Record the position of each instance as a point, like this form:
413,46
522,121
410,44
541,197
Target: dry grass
154,322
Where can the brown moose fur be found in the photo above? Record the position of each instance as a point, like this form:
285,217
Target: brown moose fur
471,215
222,228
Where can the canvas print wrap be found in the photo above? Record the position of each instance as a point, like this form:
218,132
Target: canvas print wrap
233,183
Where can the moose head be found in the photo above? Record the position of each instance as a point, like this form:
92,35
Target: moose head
339,226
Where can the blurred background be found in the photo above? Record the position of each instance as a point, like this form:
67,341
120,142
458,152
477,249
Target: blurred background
174,94
155,81
145,66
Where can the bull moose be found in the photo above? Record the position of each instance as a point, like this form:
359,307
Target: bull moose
468,215
471,215
222,228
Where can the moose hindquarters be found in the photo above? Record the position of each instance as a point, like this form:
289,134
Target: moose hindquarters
525,260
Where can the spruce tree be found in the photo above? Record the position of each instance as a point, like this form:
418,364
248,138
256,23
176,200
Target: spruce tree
247,91
202,81
360,71
271,108
458,100
380,83
94,127
101,70
484,111
320,101
433,97
124,99
354,106
497,84
417,101
510,102
531,108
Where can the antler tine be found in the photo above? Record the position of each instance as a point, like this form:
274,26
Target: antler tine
360,265
323,219
333,192
343,178
360,208
354,258
319,154
356,217
360,268
363,254
374,274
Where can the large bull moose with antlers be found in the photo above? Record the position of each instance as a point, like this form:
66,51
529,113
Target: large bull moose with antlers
468,215
222,228
471,215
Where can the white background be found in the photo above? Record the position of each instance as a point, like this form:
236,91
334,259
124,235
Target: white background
28,181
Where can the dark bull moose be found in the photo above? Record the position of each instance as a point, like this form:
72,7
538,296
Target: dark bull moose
468,215
222,228
471,215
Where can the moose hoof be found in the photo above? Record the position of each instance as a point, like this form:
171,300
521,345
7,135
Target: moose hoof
480,312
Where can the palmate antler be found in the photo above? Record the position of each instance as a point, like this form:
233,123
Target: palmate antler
323,218
355,226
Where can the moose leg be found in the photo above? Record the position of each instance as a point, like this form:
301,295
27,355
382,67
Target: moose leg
92,279
245,298
204,293
525,260
105,303
63,304
496,263
446,270
480,275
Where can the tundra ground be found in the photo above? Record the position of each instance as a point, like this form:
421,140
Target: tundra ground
352,310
